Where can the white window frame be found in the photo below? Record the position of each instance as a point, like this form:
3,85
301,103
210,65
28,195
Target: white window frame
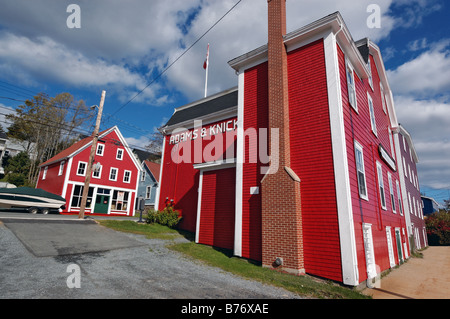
116,172
381,189
373,121
99,174
360,170
61,168
100,149
148,192
351,86
126,179
369,251
391,192
399,198
143,176
391,142
369,66
404,165
410,205
84,169
383,98
390,246
44,174
121,154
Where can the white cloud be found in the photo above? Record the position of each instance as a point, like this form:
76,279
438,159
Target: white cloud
426,75
428,122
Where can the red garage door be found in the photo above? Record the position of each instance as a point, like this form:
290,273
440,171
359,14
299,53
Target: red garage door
217,208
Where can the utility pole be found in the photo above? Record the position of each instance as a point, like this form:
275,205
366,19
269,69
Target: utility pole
91,157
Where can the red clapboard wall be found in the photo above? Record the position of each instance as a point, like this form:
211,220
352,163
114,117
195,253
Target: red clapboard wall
312,159
218,207
255,117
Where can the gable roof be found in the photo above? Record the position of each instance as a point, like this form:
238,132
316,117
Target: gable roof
154,169
79,146
219,102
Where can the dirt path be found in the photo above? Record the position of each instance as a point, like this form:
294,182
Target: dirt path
419,278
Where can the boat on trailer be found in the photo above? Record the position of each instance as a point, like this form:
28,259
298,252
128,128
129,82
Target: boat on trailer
32,199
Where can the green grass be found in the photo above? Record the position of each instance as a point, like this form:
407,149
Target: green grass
150,231
303,285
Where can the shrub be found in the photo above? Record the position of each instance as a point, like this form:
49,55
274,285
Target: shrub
167,217
438,228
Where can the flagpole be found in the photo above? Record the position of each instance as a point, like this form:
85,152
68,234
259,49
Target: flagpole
207,66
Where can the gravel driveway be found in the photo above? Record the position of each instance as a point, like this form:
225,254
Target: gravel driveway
146,271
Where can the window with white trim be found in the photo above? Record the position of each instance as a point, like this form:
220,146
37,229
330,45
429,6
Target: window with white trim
148,192
44,174
370,73
390,247
143,176
126,176
369,251
120,200
113,174
61,168
119,154
404,166
373,122
360,171
100,149
410,206
351,87
391,192
97,171
77,195
391,142
381,186
399,198
383,98
81,170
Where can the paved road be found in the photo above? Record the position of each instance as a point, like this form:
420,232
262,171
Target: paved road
418,278
36,262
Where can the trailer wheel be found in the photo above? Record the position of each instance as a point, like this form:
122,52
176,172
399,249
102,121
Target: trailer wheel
33,210
45,211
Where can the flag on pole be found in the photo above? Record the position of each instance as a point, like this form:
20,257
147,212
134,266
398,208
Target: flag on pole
205,64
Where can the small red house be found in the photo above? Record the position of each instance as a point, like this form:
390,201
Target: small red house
112,188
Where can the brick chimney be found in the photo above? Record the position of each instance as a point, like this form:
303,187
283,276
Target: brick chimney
282,239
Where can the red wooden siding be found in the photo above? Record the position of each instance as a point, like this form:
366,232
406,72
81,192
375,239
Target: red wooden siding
53,182
180,180
218,207
255,117
312,159
357,127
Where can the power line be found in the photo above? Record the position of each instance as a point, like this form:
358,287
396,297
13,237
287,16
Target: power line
178,58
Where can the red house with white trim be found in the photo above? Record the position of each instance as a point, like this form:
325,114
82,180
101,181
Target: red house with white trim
296,167
112,188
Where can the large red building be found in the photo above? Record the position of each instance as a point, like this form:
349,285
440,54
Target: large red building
113,186
296,166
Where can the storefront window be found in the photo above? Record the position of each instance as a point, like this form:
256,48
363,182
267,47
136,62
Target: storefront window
120,200
78,193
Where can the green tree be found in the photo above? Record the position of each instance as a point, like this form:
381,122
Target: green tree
47,125
438,228
17,169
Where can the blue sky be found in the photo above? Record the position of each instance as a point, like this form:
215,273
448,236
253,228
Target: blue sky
123,45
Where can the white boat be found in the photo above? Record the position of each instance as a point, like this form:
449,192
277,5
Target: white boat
32,199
